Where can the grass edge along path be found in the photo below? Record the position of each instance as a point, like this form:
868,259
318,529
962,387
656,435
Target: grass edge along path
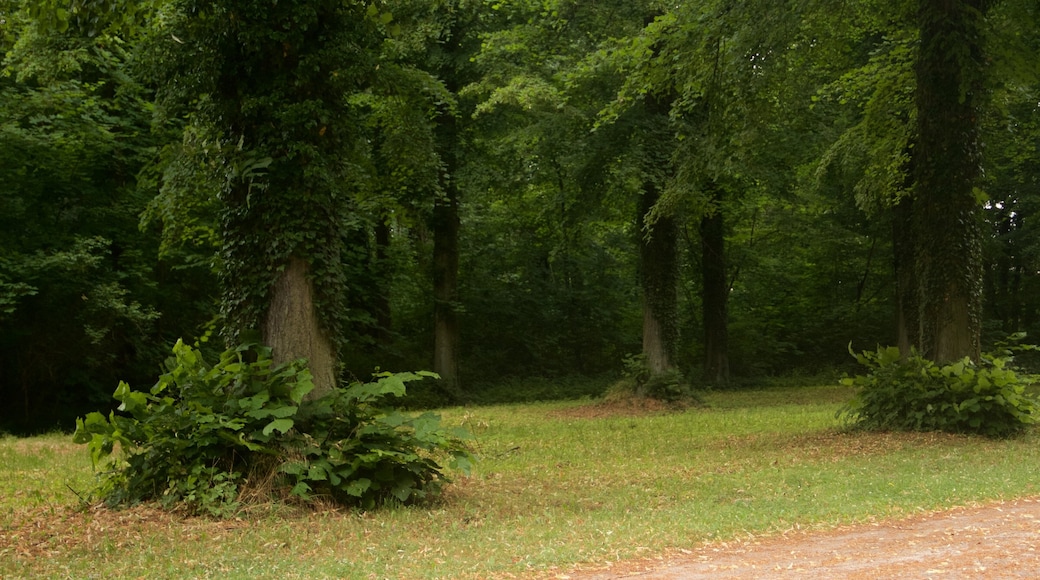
559,485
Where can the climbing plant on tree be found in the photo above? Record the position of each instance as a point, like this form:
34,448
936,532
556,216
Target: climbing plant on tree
947,159
268,82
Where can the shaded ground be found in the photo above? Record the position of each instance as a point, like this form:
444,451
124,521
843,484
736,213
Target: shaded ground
619,407
1000,540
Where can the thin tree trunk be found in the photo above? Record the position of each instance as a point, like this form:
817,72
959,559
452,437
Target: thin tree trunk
908,329
715,294
292,328
445,227
381,300
445,291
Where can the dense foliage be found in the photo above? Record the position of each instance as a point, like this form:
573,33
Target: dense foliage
84,299
210,436
496,172
916,394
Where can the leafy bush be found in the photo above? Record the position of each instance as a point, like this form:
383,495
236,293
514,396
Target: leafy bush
639,380
917,394
205,434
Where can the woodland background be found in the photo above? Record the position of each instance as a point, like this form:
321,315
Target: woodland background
530,197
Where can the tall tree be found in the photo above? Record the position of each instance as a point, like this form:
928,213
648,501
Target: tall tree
724,67
444,37
448,65
269,82
946,162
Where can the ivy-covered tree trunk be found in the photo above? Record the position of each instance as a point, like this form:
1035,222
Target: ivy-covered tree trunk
946,221
445,228
267,87
657,252
715,294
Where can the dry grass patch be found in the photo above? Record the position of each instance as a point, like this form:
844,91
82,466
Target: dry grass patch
51,533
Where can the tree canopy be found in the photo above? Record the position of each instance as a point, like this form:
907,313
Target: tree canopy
715,192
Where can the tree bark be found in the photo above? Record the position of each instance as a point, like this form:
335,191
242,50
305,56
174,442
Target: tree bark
292,328
657,243
445,290
948,236
715,294
908,328
381,300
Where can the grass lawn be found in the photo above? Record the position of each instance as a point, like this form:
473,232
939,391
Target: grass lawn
559,484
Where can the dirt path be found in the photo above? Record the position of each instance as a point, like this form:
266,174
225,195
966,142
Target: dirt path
1000,540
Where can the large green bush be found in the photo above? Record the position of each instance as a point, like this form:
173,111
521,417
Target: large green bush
205,435
916,394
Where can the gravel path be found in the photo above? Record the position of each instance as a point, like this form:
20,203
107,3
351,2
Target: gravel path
1000,540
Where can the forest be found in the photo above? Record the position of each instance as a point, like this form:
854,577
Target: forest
503,192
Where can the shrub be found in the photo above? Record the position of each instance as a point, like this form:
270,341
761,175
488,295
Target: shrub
917,394
205,433
637,379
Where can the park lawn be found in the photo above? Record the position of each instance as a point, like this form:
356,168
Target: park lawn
558,485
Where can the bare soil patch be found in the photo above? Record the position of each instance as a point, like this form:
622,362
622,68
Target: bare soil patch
997,540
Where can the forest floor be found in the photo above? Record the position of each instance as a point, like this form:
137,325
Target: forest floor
997,540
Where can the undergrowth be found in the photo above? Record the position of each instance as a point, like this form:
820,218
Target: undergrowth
205,434
916,394
640,381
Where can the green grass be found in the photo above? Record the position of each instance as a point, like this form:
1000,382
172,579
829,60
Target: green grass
558,485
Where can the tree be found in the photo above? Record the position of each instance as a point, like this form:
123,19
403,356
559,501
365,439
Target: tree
658,237
921,144
269,83
722,67
450,53
946,161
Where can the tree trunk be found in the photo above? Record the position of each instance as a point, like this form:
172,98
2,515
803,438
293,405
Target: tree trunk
292,328
445,227
908,328
715,294
381,300
445,290
445,219
948,236
657,243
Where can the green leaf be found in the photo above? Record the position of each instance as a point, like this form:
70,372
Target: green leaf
302,490
403,490
463,463
358,487
889,355
304,384
293,467
317,473
280,425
